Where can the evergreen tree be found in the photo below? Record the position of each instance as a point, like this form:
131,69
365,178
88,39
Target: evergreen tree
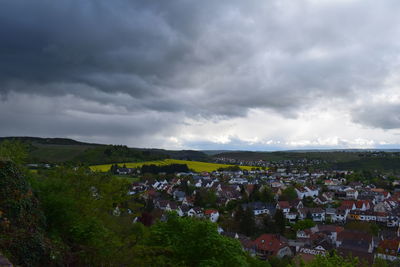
267,195
288,194
239,214
268,225
280,221
198,199
247,224
308,215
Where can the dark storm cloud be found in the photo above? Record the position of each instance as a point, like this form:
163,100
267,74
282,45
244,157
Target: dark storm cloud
213,59
74,117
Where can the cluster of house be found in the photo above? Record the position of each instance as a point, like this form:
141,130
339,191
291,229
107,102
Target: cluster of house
376,205
264,163
334,202
320,240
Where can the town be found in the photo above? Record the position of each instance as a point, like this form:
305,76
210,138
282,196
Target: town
281,210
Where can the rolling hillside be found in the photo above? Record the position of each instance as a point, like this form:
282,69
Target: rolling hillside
62,150
339,156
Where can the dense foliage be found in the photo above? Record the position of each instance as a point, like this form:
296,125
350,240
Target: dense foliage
22,222
13,151
196,243
89,214
168,169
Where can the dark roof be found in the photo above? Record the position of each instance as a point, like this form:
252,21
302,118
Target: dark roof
258,205
185,208
355,245
179,193
354,235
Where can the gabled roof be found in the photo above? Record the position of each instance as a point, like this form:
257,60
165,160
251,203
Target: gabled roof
354,235
330,228
257,205
284,204
270,242
360,203
184,208
347,204
311,210
210,211
389,247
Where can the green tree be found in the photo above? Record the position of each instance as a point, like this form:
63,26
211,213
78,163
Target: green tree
205,198
308,202
22,223
289,194
304,224
247,223
90,213
332,261
268,225
238,217
14,151
280,221
267,195
194,242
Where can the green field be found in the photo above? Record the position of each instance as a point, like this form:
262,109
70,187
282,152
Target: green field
194,165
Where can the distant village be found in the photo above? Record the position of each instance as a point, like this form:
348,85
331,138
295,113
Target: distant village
281,210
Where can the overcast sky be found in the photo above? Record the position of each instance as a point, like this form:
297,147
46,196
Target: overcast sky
181,74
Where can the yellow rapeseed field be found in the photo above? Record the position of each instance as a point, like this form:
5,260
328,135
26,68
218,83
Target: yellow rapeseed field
194,165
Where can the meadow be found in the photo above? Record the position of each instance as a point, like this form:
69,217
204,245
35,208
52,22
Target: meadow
197,166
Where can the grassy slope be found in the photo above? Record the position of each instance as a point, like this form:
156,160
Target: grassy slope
195,165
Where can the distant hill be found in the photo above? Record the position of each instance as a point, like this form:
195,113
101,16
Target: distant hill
47,141
289,155
63,150
371,164
356,159
215,152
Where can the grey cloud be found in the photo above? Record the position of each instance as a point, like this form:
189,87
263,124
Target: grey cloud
213,59
381,115
68,116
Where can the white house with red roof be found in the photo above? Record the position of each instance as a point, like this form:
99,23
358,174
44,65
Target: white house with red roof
212,214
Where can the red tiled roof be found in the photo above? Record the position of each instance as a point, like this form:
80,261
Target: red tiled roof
390,247
330,228
347,204
269,242
210,211
359,203
284,204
